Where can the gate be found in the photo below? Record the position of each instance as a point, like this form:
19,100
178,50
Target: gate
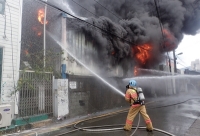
35,93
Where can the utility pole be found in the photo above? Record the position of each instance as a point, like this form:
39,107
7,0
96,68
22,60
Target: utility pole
45,10
64,43
170,66
175,69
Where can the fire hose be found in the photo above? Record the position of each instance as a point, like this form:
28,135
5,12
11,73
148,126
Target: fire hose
93,128
101,129
120,126
114,127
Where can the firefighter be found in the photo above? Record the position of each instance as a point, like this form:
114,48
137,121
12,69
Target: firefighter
137,105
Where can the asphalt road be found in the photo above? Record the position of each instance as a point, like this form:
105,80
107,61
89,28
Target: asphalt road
175,115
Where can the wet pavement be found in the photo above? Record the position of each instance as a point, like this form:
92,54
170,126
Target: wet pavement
178,115
173,115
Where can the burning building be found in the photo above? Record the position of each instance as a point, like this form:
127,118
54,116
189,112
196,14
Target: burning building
111,46
38,52
137,35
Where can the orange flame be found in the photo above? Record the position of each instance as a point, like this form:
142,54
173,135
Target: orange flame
169,41
135,71
41,16
26,52
39,33
142,53
167,34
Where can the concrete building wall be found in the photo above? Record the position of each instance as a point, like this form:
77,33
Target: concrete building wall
79,103
85,52
88,95
78,46
10,37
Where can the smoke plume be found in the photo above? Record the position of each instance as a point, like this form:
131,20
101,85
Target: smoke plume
134,28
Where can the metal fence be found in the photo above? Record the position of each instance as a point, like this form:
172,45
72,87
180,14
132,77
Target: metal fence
35,93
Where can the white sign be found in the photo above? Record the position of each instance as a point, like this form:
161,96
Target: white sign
72,85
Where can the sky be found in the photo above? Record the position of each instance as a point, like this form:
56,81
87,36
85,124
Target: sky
190,48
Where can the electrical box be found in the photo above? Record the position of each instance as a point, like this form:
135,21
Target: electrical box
5,115
60,98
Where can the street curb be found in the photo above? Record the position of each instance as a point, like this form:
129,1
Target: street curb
56,130
49,132
16,128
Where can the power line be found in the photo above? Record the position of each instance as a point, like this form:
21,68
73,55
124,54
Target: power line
181,64
92,12
159,19
107,32
83,20
161,28
107,9
84,8
157,10
180,59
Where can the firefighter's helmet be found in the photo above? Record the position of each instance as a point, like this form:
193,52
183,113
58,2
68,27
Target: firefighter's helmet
132,83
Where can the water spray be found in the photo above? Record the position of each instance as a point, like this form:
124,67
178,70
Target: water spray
164,77
95,74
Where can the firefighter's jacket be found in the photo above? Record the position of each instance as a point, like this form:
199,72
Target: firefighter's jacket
131,95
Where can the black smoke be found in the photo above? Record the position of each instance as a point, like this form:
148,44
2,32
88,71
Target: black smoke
131,23
180,16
